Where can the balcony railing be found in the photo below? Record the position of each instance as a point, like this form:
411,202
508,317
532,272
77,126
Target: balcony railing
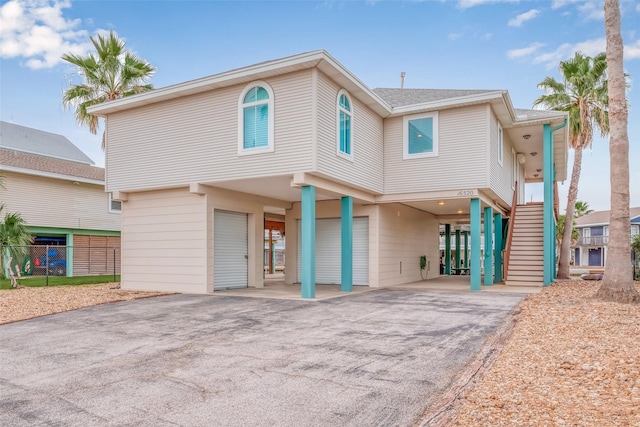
593,241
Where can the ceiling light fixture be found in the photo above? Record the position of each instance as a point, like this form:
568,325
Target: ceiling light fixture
536,175
538,170
459,211
441,202
534,153
527,136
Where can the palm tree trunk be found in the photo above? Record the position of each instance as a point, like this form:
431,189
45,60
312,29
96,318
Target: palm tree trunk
565,246
617,284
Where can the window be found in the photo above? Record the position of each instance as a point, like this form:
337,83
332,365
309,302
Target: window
635,229
345,125
420,136
500,145
255,119
115,206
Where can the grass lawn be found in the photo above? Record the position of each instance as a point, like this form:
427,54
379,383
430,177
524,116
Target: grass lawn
41,281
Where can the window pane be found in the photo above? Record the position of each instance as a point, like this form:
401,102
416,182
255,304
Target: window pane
345,133
421,135
262,94
262,125
250,96
249,127
344,102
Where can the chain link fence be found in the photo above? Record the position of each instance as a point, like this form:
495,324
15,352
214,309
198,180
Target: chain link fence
60,260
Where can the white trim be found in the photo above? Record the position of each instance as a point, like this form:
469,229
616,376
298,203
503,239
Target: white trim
514,169
270,131
339,109
51,175
405,136
111,200
500,145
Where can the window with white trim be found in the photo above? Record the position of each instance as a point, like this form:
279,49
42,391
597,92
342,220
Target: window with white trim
345,126
420,136
255,119
500,145
115,206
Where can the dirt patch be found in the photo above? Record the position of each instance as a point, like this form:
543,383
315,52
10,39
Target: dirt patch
25,302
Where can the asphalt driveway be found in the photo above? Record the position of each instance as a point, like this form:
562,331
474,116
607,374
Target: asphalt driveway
371,359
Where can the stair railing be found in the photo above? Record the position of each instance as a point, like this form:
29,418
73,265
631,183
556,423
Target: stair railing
512,218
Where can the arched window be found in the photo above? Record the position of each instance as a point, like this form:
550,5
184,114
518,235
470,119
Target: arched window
255,119
345,126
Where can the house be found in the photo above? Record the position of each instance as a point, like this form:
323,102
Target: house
362,179
590,250
61,196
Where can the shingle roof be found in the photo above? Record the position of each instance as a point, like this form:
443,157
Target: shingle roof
602,217
29,140
397,97
18,159
533,114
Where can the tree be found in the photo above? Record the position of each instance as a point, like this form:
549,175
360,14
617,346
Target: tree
583,94
14,239
617,283
111,72
575,235
581,209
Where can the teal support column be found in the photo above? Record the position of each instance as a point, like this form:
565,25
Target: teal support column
69,254
308,240
549,241
458,249
466,249
497,252
346,225
474,266
488,246
447,249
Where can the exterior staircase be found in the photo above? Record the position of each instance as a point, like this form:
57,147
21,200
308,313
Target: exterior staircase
525,266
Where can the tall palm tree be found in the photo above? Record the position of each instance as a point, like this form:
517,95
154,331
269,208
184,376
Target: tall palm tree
109,73
581,209
583,94
617,284
14,238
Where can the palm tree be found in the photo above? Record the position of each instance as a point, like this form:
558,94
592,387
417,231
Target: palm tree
581,209
617,284
14,238
583,94
111,72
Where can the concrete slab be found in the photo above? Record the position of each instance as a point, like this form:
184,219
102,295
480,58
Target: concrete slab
372,358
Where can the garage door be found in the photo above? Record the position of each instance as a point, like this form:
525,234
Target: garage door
328,249
230,250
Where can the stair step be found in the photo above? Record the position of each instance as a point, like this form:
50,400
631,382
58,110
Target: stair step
523,283
525,278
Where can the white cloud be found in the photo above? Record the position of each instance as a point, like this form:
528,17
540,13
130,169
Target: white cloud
466,4
37,31
487,36
592,11
557,4
566,50
454,36
525,51
523,17
632,51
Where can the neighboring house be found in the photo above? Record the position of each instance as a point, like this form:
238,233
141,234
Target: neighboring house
361,178
590,250
61,196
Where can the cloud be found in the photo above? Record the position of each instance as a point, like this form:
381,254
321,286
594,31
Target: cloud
632,51
454,36
590,10
557,4
525,51
37,31
466,4
523,17
566,50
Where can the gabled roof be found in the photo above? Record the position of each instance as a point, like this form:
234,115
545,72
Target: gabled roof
397,97
34,141
602,217
21,162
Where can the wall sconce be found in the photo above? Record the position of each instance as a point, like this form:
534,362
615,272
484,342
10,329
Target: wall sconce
521,159
525,137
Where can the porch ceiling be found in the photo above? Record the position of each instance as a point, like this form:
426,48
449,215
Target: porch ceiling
528,140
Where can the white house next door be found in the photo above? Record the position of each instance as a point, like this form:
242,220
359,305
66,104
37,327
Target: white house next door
230,250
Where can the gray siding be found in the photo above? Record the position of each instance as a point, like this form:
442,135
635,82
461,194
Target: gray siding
501,175
366,169
195,138
461,161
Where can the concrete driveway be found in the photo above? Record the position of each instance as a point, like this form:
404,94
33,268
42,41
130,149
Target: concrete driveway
372,359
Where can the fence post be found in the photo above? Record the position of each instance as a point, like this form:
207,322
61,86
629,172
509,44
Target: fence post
47,259
114,263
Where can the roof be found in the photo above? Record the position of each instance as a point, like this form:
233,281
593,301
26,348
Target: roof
397,97
13,160
602,217
29,140
525,114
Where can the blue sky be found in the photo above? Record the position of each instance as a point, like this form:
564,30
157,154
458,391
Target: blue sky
464,44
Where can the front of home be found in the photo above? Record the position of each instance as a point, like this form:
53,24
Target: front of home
362,179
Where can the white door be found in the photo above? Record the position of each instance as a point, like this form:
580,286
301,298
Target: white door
328,251
230,250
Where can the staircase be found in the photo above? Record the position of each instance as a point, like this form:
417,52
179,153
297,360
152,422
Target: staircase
525,266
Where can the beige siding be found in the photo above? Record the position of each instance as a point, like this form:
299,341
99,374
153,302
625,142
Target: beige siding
406,234
330,209
501,175
195,138
461,161
163,241
49,202
366,169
